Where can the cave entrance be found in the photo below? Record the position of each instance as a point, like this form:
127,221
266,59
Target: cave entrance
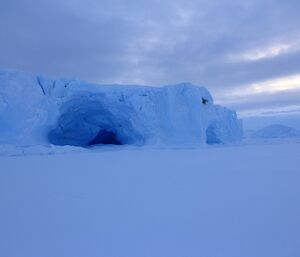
86,122
211,136
105,137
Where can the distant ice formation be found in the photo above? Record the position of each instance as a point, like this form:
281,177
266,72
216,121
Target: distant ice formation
276,131
36,110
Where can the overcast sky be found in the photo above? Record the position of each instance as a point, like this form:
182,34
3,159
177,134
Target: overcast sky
246,52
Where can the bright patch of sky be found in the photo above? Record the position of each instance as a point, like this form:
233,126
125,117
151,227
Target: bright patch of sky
265,87
270,51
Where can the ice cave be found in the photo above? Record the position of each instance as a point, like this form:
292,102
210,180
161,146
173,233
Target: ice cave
36,110
87,122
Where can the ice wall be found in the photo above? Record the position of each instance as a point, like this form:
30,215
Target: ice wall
37,110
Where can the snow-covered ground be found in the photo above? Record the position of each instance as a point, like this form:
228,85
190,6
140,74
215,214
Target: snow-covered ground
214,201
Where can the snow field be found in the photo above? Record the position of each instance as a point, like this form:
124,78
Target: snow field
213,202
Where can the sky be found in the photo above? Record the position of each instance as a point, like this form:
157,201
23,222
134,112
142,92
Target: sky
247,53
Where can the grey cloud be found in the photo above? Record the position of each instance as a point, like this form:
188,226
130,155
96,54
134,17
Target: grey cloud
266,100
150,42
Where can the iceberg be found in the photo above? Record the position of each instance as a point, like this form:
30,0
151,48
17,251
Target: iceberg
37,110
276,131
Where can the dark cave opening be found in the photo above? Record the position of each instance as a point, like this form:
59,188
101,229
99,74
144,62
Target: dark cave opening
105,137
211,136
86,123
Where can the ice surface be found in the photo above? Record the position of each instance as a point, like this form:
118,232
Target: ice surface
35,110
217,201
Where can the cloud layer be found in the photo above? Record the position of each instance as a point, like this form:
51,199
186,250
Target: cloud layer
223,44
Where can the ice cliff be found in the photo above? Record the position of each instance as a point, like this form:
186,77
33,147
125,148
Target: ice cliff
36,110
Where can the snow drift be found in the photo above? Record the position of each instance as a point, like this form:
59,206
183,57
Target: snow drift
36,110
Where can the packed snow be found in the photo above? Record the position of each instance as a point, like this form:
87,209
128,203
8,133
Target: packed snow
218,201
35,110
